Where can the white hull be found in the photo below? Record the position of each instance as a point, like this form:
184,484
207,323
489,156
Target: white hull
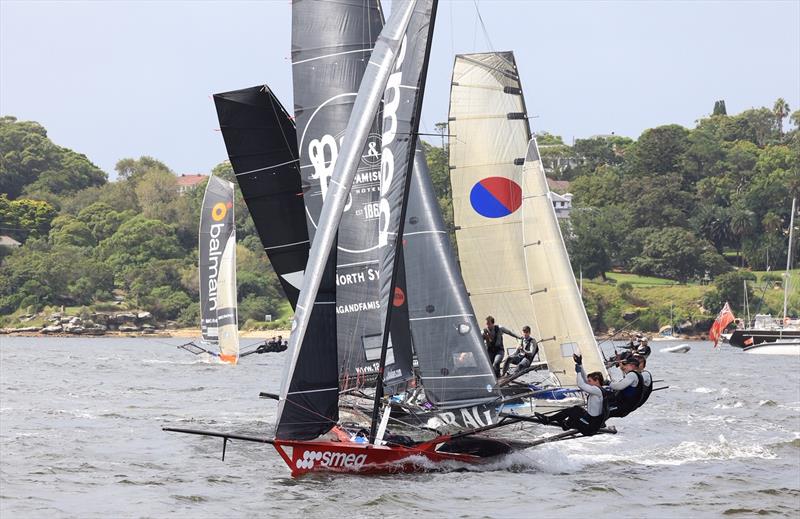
680,348
775,348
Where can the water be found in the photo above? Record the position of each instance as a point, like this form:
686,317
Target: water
80,433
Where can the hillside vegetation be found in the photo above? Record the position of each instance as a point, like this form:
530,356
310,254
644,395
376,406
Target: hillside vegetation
652,217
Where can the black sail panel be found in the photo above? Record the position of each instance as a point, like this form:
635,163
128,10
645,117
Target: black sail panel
262,147
216,229
331,46
453,366
402,104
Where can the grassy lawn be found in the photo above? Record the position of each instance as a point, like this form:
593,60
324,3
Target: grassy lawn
639,281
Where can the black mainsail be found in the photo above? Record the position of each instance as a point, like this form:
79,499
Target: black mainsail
308,405
331,45
260,138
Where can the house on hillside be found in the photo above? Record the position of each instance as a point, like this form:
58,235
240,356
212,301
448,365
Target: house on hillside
189,182
560,197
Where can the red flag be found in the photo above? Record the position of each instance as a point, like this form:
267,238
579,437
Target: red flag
724,318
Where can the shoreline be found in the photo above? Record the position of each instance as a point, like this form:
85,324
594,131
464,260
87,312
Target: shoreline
179,333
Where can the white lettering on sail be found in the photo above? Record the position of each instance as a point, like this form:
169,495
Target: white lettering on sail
323,154
214,252
391,101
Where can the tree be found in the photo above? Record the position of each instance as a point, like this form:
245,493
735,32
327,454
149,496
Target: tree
719,108
673,253
781,111
68,230
133,169
659,150
730,288
32,163
25,218
138,241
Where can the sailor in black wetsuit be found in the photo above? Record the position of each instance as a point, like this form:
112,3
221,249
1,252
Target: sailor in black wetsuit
527,350
628,390
493,336
643,349
587,421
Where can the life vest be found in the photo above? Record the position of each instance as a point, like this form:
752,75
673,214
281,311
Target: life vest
496,346
646,390
629,398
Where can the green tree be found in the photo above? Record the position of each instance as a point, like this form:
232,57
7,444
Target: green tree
781,111
138,241
719,108
133,169
673,253
25,218
68,230
659,150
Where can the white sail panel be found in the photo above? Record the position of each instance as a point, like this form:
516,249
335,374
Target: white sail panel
227,318
557,303
489,134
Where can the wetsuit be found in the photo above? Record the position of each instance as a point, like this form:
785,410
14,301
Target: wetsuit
524,356
628,394
494,345
643,350
588,421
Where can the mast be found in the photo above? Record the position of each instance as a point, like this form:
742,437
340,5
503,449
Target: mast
366,106
402,105
787,278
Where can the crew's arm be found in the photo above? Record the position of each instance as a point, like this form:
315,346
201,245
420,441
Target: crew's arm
509,332
621,384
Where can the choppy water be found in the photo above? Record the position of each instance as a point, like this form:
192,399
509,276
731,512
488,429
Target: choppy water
80,436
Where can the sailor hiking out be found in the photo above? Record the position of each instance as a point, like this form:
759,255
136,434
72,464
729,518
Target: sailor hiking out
628,390
587,421
525,353
493,337
647,380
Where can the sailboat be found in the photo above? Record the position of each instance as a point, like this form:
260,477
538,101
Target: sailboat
787,341
217,268
512,253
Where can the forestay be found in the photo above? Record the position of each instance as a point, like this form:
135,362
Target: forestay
262,147
557,304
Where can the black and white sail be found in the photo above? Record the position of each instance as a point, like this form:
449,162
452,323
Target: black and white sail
331,46
308,405
261,141
217,229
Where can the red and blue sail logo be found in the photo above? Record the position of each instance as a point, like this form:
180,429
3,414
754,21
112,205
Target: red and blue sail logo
495,197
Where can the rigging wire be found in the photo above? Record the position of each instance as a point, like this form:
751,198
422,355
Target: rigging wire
483,26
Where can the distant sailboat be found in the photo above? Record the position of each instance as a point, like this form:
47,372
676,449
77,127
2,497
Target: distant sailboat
217,266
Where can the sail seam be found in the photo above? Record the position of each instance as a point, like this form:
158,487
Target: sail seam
266,168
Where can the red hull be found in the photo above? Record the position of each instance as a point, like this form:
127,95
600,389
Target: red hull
303,457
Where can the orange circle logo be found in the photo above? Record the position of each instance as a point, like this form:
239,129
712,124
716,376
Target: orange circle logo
218,212
399,297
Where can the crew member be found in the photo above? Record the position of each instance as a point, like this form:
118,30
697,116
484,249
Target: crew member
527,350
628,390
643,349
493,336
587,421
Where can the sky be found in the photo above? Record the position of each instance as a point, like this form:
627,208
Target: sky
125,79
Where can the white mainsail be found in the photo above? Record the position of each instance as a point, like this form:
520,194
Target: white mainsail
227,319
512,254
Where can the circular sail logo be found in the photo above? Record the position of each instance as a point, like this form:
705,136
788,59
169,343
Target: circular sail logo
219,211
495,197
